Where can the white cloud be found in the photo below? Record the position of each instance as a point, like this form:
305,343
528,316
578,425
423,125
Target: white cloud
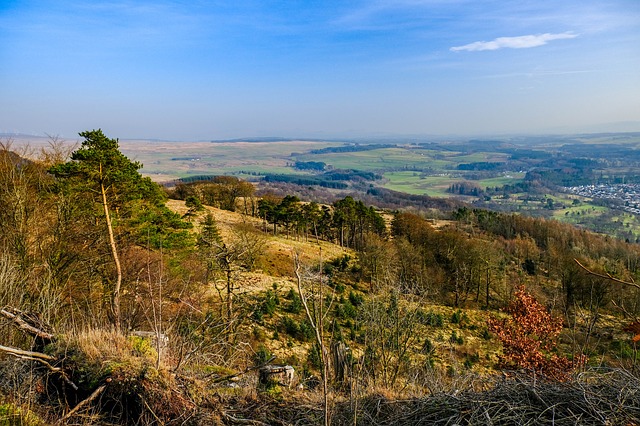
520,42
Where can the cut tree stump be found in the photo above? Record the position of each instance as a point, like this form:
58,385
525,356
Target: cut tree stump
270,375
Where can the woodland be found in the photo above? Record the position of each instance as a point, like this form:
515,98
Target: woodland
125,302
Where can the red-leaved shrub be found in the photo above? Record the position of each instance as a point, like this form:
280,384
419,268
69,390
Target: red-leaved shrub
529,337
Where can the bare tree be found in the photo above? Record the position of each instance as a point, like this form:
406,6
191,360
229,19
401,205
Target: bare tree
315,309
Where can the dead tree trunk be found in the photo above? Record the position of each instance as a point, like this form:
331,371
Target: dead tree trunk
115,297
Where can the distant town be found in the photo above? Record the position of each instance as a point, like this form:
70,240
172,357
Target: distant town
625,196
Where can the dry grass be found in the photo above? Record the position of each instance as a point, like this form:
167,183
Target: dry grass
98,345
277,257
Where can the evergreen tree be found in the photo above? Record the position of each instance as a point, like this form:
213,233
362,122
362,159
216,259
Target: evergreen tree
111,180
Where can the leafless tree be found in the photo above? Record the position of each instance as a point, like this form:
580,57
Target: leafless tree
312,292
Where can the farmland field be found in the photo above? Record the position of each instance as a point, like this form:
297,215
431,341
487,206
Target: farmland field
419,184
378,159
506,179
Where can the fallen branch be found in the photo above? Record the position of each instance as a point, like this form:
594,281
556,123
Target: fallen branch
38,356
16,317
84,402
596,397
41,358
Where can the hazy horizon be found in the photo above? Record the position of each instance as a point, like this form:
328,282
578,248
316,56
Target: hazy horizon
212,70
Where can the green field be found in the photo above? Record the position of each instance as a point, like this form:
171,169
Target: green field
436,186
506,179
377,160
418,184
576,214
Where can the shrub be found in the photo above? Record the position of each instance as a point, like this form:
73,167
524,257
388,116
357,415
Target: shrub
431,319
427,347
313,357
356,299
455,339
529,337
11,415
290,326
346,310
262,355
621,349
295,304
194,203
485,334
267,306
298,330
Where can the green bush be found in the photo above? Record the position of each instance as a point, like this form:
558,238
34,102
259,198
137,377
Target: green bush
313,357
295,304
306,331
143,347
485,334
298,330
356,299
290,326
431,319
427,347
621,349
267,306
346,310
262,355
455,339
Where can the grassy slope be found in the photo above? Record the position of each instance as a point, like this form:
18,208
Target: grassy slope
277,269
276,275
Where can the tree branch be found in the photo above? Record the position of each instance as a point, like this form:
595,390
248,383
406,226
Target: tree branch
242,373
38,356
41,358
607,276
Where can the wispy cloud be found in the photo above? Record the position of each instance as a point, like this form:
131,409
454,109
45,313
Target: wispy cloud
537,73
520,42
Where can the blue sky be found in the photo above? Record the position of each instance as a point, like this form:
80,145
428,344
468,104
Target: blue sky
200,70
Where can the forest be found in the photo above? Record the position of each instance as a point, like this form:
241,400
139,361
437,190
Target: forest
126,302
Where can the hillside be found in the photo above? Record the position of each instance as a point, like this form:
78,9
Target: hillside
122,307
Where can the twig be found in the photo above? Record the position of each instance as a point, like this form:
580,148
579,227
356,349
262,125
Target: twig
236,420
153,413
